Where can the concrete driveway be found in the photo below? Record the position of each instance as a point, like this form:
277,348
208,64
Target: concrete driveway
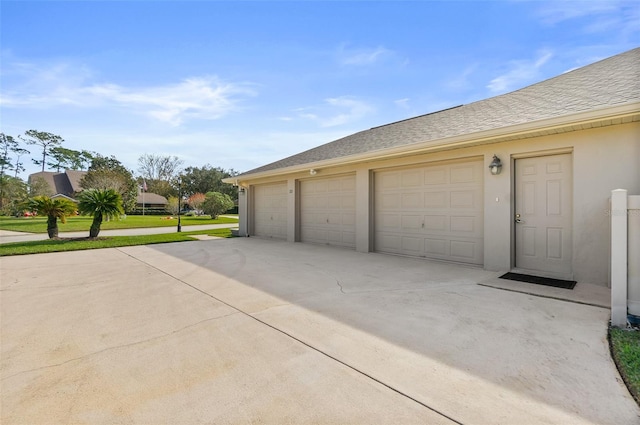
252,331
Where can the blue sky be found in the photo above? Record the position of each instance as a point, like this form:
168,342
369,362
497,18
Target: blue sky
241,84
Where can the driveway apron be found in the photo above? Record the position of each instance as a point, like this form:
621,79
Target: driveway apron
255,331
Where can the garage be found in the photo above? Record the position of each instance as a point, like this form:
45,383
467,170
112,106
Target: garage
327,211
270,210
431,210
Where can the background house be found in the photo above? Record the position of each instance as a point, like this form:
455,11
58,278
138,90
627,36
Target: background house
423,187
152,203
66,184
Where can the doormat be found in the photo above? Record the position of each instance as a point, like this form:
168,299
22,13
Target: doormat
556,283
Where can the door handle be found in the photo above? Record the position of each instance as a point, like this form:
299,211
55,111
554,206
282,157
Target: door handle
517,219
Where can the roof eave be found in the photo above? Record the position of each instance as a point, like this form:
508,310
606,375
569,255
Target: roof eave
569,121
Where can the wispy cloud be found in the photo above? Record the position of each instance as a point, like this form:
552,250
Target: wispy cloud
362,57
205,97
402,103
461,81
597,15
557,11
336,111
521,72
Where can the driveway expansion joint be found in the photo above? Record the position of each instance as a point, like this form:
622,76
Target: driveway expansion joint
306,344
116,347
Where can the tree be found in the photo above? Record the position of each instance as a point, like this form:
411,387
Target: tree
14,194
108,173
18,166
63,158
172,205
85,159
46,141
39,187
158,167
216,203
99,204
207,179
8,145
54,209
196,200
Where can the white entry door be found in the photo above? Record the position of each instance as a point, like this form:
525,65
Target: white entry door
543,211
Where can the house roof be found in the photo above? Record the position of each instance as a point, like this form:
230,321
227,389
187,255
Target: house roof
151,198
603,85
74,177
66,183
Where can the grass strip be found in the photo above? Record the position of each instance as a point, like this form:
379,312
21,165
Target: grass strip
81,223
77,244
625,350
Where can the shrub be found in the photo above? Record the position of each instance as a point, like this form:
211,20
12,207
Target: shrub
216,203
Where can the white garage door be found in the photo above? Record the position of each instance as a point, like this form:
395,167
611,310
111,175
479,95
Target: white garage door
433,211
328,210
270,210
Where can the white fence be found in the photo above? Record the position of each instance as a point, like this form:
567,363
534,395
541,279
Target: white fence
625,256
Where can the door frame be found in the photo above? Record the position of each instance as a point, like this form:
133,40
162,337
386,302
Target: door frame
514,192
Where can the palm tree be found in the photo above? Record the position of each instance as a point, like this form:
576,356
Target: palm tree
54,209
100,204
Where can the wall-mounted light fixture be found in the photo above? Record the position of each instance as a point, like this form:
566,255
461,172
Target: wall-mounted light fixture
496,165
313,172
242,190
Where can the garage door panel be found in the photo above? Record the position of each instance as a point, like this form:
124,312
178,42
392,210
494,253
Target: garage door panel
435,176
389,243
410,244
270,210
349,219
412,200
388,222
463,199
432,211
436,247
412,178
463,224
463,249
465,174
436,223
436,199
389,180
327,211
412,222
335,203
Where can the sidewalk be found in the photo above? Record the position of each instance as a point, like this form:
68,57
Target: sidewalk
7,236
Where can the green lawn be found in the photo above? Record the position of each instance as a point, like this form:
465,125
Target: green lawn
58,245
80,223
625,347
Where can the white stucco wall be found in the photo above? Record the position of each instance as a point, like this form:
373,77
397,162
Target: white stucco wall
604,159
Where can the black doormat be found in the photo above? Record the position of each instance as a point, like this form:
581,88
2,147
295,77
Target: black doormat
556,283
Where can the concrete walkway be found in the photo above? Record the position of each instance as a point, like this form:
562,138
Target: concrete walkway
247,330
7,236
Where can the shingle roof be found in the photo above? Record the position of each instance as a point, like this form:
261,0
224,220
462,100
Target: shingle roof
74,179
66,183
610,82
151,198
